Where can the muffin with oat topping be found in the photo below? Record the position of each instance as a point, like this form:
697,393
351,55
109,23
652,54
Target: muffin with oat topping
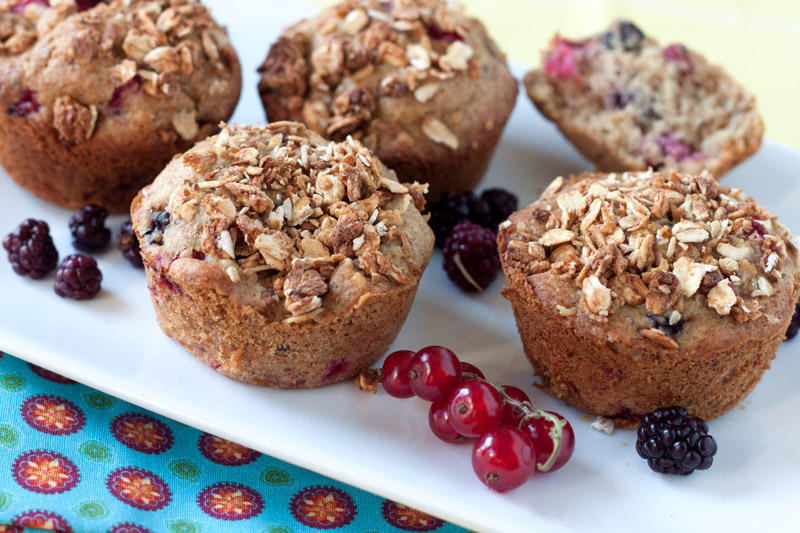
280,258
627,103
418,82
639,290
99,96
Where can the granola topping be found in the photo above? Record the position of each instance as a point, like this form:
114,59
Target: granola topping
380,49
653,239
286,207
155,44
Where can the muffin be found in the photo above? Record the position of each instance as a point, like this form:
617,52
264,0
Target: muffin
628,104
100,96
642,290
416,81
280,258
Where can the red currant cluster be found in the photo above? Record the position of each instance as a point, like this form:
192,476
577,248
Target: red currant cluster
514,439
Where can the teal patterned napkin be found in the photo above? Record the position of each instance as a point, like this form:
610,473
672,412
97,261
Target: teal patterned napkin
75,459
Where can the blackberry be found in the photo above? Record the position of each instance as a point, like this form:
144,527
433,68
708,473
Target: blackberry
794,325
31,250
470,256
501,204
620,99
674,442
78,278
626,34
663,323
452,209
87,225
158,223
129,245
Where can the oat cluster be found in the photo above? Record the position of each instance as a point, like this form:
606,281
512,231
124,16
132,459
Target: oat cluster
153,46
333,75
283,207
651,239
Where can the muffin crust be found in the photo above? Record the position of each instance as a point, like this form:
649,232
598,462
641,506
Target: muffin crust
98,100
280,258
643,290
417,81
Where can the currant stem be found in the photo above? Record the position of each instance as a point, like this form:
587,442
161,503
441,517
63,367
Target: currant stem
556,431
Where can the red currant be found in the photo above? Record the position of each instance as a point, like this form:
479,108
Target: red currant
511,413
474,407
503,458
439,421
435,371
469,368
395,374
540,432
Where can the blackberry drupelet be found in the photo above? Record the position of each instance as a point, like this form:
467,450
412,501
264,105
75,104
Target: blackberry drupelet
501,204
88,229
470,256
452,209
78,278
30,248
129,245
674,442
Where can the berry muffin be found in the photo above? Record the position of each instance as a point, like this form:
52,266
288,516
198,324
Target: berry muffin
99,96
416,81
628,104
642,290
280,258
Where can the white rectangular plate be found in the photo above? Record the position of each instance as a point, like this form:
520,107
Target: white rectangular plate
382,444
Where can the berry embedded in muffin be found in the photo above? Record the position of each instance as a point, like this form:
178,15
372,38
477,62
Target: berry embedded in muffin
418,82
100,95
638,290
628,103
279,257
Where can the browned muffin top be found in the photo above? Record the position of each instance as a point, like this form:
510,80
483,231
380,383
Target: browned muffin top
675,244
279,210
84,65
368,67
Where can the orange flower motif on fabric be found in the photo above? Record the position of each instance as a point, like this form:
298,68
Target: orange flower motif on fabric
142,433
407,518
230,501
323,507
53,415
139,488
45,472
224,452
42,520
